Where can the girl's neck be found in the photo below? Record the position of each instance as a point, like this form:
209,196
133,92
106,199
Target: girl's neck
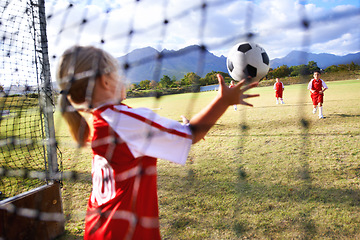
106,102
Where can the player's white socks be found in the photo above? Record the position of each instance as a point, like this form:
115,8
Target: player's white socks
320,112
277,101
282,102
315,109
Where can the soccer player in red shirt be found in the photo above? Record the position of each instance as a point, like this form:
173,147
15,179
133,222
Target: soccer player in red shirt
317,88
126,142
279,89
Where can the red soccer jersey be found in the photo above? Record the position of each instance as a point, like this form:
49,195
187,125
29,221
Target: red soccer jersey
126,142
278,86
317,85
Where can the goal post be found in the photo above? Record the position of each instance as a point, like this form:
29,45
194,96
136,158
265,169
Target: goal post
47,96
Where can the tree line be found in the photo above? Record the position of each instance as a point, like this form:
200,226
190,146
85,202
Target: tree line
192,79
192,82
307,69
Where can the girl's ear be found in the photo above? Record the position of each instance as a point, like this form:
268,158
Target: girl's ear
103,81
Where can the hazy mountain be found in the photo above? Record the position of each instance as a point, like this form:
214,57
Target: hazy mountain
145,63
323,60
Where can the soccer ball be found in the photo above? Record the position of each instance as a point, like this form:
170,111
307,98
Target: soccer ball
247,60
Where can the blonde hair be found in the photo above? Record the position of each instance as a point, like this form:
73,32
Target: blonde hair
78,69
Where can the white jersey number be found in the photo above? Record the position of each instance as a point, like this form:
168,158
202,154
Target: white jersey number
103,181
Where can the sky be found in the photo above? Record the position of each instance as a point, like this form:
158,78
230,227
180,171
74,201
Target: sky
276,25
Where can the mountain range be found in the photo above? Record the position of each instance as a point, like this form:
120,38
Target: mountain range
323,60
148,63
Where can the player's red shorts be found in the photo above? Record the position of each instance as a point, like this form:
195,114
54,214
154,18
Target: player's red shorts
278,94
317,98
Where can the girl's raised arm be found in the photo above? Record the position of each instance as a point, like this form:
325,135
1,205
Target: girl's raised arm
201,123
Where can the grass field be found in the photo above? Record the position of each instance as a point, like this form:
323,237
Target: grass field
267,172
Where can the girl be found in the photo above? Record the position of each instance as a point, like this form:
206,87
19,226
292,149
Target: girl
279,89
126,142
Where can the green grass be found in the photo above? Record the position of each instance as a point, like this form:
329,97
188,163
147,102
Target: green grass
260,173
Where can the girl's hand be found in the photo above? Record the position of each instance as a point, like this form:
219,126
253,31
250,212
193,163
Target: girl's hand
235,95
201,123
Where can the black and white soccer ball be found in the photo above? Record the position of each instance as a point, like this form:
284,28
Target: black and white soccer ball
247,61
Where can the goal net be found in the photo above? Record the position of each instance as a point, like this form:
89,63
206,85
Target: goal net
26,102
28,154
35,145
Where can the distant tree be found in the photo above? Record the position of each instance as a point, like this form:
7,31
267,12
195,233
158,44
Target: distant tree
282,71
349,67
190,79
294,71
177,83
211,78
174,82
332,68
165,82
153,84
304,70
1,88
145,84
343,67
352,66
299,70
312,67
270,74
